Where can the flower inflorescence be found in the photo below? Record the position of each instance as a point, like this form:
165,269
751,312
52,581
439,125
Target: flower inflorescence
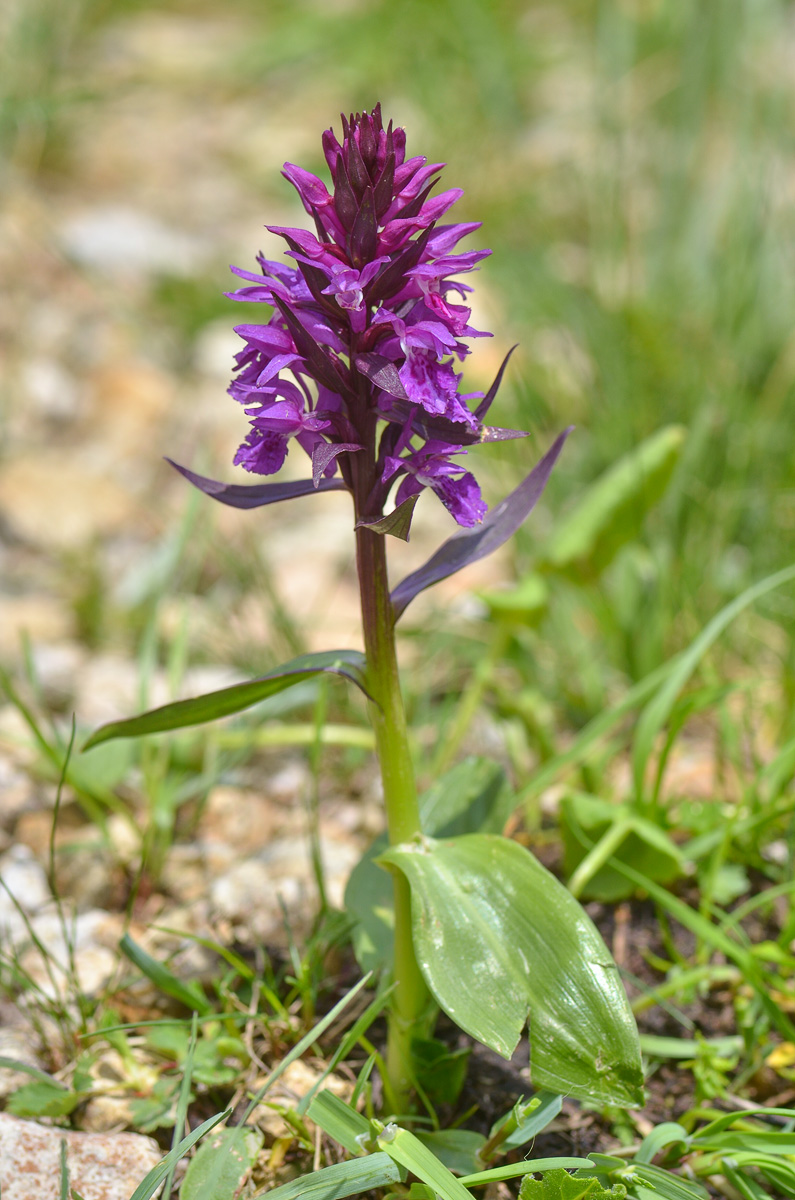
357,360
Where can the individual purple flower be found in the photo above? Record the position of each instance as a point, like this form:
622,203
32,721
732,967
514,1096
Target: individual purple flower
265,448
431,467
356,360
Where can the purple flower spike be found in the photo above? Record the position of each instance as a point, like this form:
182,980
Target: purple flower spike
355,357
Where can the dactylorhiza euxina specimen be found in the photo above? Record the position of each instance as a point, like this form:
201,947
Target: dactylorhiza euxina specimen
356,361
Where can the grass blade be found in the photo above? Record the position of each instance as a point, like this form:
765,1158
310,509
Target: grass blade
151,1182
657,711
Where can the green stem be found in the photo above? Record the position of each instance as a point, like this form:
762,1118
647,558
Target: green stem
411,1006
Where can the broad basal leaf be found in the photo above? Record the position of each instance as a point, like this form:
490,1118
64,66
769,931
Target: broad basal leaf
472,797
469,545
499,940
348,663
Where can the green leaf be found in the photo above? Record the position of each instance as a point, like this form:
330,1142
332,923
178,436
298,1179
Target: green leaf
473,797
440,1071
342,1179
559,1185
644,845
659,708
15,1064
398,522
456,1149
409,1152
550,1106
514,1170
222,1164
64,1172
611,511
524,604
667,1134
42,1099
152,1181
499,939
190,994
348,663
301,1047
339,1121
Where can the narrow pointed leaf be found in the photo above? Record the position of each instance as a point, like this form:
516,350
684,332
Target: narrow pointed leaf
398,522
472,544
488,399
392,278
432,425
659,708
363,238
181,713
499,940
244,495
338,1120
191,993
409,1152
151,1182
340,1180
528,1167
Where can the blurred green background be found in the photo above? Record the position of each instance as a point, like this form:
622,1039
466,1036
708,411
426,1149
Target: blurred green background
633,164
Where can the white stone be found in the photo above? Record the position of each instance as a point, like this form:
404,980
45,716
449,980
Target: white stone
24,887
118,240
101,1166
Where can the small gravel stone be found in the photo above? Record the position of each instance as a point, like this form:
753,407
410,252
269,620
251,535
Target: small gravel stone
24,880
101,1166
16,1044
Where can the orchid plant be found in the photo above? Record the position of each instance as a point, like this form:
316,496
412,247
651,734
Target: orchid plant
356,362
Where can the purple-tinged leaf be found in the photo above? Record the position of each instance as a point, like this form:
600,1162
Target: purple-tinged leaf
472,544
363,238
182,713
413,207
488,399
398,522
384,186
324,452
357,172
345,204
493,433
390,281
432,426
243,495
321,367
382,372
